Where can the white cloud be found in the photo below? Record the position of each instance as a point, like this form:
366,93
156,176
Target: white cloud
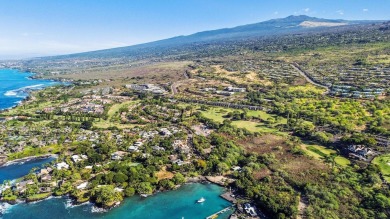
340,12
365,10
276,13
306,9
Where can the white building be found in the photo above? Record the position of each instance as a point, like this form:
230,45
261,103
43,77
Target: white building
62,165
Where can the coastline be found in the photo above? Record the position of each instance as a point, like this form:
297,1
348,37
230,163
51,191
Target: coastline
73,201
61,205
28,93
24,159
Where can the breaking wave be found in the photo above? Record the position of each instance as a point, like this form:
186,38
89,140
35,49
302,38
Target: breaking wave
22,92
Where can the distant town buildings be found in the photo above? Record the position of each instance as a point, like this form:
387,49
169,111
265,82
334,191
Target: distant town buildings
146,88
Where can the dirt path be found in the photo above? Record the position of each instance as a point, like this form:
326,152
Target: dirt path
303,203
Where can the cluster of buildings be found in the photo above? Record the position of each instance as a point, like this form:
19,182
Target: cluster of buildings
89,104
77,158
349,91
17,138
228,91
359,151
375,79
146,88
118,155
135,147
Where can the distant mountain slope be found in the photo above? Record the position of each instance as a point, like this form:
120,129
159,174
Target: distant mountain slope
291,24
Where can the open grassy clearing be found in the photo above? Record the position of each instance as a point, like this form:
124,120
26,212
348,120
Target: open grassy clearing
150,72
218,114
300,169
264,116
255,127
37,197
307,88
320,152
111,112
383,162
115,108
164,174
238,77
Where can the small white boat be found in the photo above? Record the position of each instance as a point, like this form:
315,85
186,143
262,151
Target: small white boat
201,200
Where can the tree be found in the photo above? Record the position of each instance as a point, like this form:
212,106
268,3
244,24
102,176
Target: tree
31,190
106,196
331,159
144,188
222,167
201,164
178,178
86,125
120,178
166,184
129,191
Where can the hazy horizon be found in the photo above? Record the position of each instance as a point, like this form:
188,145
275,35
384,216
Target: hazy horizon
44,28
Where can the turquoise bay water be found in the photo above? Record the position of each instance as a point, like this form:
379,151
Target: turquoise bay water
18,170
180,203
15,85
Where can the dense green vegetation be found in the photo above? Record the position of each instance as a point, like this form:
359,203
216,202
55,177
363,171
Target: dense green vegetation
293,153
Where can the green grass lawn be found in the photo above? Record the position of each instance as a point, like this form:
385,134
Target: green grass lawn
10,198
342,161
383,162
217,114
115,108
111,112
37,197
319,152
306,88
31,151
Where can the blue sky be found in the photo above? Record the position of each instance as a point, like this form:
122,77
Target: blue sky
47,27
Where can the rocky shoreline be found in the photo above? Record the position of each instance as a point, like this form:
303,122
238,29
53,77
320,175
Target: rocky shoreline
20,160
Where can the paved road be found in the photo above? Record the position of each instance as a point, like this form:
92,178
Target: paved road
177,83
305,75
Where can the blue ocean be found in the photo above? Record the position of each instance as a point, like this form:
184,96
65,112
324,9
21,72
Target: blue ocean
15,86
177,204
17,170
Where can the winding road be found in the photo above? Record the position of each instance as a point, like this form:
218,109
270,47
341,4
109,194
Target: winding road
178,83
308,79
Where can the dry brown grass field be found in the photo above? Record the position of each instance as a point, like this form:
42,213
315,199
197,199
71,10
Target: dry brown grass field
161,72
